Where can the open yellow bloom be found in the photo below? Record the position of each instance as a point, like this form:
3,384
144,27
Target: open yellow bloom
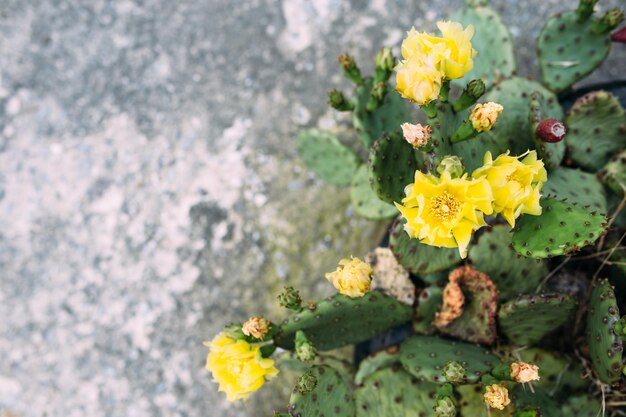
497,396
459,54
418,79
516,182
523,372
484,116
445,211
237,366
353,277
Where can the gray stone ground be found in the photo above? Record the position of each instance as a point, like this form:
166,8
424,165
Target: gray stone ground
149,189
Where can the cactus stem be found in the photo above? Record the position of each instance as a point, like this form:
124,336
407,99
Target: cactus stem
585,9
444,92
465,132
430,109
608,22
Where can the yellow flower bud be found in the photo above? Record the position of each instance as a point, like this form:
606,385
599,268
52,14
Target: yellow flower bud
523,372
237,366
484,116
497,396
352,278
417,135
256,327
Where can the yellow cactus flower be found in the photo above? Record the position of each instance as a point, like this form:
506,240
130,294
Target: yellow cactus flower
497,396
256,326
418,79
459,54
484,116
353,277
417,135
445,211
523,372
237,366
516,182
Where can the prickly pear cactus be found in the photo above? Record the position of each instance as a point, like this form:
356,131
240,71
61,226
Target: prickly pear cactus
392,165
330,395
493,43
583,405
425,357
551,153
560,374
513,275
596,129
569,49
605,347
393,392
428,303
365,201
326,156
339,320
472,404
562,228
373,363
513,129
418,258
527,319
576,186
614,174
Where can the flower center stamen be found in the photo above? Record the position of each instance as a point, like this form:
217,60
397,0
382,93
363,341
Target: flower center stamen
444,206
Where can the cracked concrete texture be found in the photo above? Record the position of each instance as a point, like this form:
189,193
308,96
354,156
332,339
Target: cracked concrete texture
149,189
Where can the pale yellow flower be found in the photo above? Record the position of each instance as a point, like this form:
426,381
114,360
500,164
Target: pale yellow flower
523,372
497,396
445,211
516,182
418,79
353,277
256,327
417,135
237,366
459,54
484,116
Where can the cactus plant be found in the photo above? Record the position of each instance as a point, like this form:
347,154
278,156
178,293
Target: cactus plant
418,258
614,174
428,303
472,404
528,318
550,151
560,374
393,392
562,228
365,201
326,156
576,186
582,406
340,320
605,346
373,363
596,126
425,357
513,275
329,395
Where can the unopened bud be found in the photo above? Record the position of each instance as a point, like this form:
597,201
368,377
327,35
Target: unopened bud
484,116
451,164
290,298
445,408
350,68
338,101
305,350
454,372
307,383
476,88
377,95
384,59
608,22
551,130
417,135
234,331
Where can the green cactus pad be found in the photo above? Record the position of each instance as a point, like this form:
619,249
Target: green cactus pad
392,166
287,360
425,356
417,257
584,405
561,228
512,130
512,274
605,347
330,397
339,320
596,129
373,363
568,50
328,158
393,392
472,403
614,174
559,373
365,201
495,59
388,117
477,323
576,186
428,304
537,399
527,319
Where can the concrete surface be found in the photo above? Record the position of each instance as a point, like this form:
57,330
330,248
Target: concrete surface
149,189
